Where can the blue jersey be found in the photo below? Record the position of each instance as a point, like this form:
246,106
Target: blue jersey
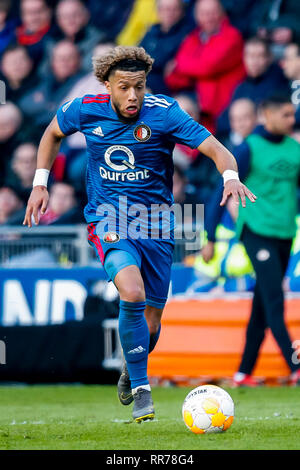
132,160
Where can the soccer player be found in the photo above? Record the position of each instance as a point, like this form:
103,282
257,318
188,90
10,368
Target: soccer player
130,137
269,162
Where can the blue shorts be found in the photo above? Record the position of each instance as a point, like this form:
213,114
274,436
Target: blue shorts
153,258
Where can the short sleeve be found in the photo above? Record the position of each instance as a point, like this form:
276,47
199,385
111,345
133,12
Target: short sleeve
68,116
183,129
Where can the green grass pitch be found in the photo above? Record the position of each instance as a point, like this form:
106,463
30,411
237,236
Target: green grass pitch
90,417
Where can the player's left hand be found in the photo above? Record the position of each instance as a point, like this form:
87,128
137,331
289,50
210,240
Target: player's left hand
238,191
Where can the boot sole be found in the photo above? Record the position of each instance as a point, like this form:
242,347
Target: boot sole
149,416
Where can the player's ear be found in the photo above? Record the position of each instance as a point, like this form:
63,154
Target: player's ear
107,84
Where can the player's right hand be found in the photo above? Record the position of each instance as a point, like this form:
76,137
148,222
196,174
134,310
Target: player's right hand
38,201
208,251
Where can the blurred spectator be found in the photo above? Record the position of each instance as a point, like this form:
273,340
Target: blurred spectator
163,40
200,172
183,156
62,207
291,62
16,72
142,16
72,18
203,176
87,84
179,182
242,14
183,193
210,59
36,23
189,105
22,170
112,18
7,25
10,124
243,119
291,68
41,104
9,204
279,22
264,77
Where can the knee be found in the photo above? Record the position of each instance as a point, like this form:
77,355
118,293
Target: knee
133,293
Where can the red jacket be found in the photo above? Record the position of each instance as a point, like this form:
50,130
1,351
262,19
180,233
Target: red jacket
214,68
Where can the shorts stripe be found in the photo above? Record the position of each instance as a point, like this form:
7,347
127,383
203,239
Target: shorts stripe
95,240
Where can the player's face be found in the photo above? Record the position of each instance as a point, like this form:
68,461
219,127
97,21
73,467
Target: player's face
127,90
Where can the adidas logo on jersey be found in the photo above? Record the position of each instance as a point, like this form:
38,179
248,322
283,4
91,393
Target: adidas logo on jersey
137,350
98,131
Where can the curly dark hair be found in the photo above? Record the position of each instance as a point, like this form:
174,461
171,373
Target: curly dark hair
131,58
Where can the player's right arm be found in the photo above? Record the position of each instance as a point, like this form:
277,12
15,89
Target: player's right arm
47,152
66,122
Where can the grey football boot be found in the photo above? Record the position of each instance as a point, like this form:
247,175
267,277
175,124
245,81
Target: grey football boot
143,408
124,386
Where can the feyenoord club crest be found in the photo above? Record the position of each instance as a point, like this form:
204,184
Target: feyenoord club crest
111,237
142,132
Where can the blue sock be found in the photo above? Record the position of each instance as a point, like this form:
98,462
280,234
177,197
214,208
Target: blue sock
154,339
134,337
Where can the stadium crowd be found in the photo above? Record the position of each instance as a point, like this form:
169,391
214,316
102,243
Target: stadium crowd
219,58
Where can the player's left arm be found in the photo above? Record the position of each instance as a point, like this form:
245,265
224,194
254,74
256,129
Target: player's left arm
224,160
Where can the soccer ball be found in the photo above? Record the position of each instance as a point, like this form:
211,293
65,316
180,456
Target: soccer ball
208,409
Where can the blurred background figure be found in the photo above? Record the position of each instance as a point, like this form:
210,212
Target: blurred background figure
62,207
183,156
183,193
291,68
279,22
291,62
199,171
112,18
163,40
242,14
40,104
242,119
7,25
22,169
10,135
88,84
213,75
16,71
264,77
73,23
35,26
10,204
